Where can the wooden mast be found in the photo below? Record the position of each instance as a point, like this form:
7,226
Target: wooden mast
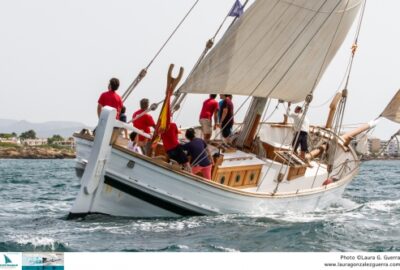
251,122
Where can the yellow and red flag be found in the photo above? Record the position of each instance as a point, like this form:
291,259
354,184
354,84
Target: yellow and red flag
163,120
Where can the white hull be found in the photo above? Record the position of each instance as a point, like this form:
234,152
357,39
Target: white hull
128,184
151,191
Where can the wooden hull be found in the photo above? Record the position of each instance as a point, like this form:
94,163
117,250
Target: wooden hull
132,185
148,190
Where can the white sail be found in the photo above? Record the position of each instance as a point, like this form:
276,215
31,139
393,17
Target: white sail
276,49
362,145
392,111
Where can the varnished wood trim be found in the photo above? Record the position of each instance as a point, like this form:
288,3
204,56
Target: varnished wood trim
238,191
239,168
226,188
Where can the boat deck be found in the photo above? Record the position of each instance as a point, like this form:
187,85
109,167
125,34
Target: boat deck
239,165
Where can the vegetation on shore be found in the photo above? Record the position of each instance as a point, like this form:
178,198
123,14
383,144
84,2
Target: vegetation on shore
19,149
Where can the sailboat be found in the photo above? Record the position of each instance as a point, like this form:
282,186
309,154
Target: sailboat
276,50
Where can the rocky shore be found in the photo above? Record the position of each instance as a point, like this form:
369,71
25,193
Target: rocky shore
40,152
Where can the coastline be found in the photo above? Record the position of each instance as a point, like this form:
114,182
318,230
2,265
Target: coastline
50,152
379,158
36,152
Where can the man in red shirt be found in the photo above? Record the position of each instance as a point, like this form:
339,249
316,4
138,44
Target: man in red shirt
110,98
209,110
173,147
144,122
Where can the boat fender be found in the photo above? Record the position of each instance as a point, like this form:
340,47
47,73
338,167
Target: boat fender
328,182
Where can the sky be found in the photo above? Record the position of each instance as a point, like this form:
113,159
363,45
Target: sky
56,57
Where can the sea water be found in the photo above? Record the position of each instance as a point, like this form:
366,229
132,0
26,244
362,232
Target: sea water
36,195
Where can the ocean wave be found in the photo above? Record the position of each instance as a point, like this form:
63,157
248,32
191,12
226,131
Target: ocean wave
384,205
158,226
223,249
10,246
340,208
171,248
37,243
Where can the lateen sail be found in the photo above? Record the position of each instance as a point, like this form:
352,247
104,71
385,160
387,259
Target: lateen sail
392,111
276,49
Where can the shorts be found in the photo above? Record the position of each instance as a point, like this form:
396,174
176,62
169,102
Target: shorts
206,126
178,155
206,171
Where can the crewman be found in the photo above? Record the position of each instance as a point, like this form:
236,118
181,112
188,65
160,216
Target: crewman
110,98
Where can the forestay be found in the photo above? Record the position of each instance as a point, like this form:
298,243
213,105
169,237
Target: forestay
392,111
277,49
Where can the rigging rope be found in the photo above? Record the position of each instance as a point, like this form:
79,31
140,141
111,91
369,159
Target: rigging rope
310,96
354,48
283,54
179,97
276,63
143,72
394,136
286,51
355,44
342,105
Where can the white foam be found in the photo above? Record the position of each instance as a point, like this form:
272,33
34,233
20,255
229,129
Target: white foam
226,249
37,241
161,226
342,207
182,247
384,206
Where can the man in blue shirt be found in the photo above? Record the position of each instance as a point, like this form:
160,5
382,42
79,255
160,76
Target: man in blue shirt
201,160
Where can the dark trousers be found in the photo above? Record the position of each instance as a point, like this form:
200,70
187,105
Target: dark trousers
226,130
301,140
178,155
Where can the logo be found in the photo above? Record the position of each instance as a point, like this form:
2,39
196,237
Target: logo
7,262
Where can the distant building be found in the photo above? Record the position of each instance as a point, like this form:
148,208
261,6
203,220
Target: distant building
12,140
391,148
66,143
34,142
370,146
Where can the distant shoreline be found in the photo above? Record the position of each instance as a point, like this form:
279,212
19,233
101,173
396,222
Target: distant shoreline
381,159
36,152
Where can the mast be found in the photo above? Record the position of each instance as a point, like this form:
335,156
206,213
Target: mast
250,125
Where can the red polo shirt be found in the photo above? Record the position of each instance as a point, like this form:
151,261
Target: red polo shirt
170,137
210,106
143,123
112,99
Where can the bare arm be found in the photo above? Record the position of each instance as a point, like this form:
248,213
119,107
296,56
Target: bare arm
215,119
209,156
99,108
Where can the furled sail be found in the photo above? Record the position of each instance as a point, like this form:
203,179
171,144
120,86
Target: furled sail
392,111
277,49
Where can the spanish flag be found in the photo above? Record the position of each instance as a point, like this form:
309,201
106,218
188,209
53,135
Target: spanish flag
164,119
